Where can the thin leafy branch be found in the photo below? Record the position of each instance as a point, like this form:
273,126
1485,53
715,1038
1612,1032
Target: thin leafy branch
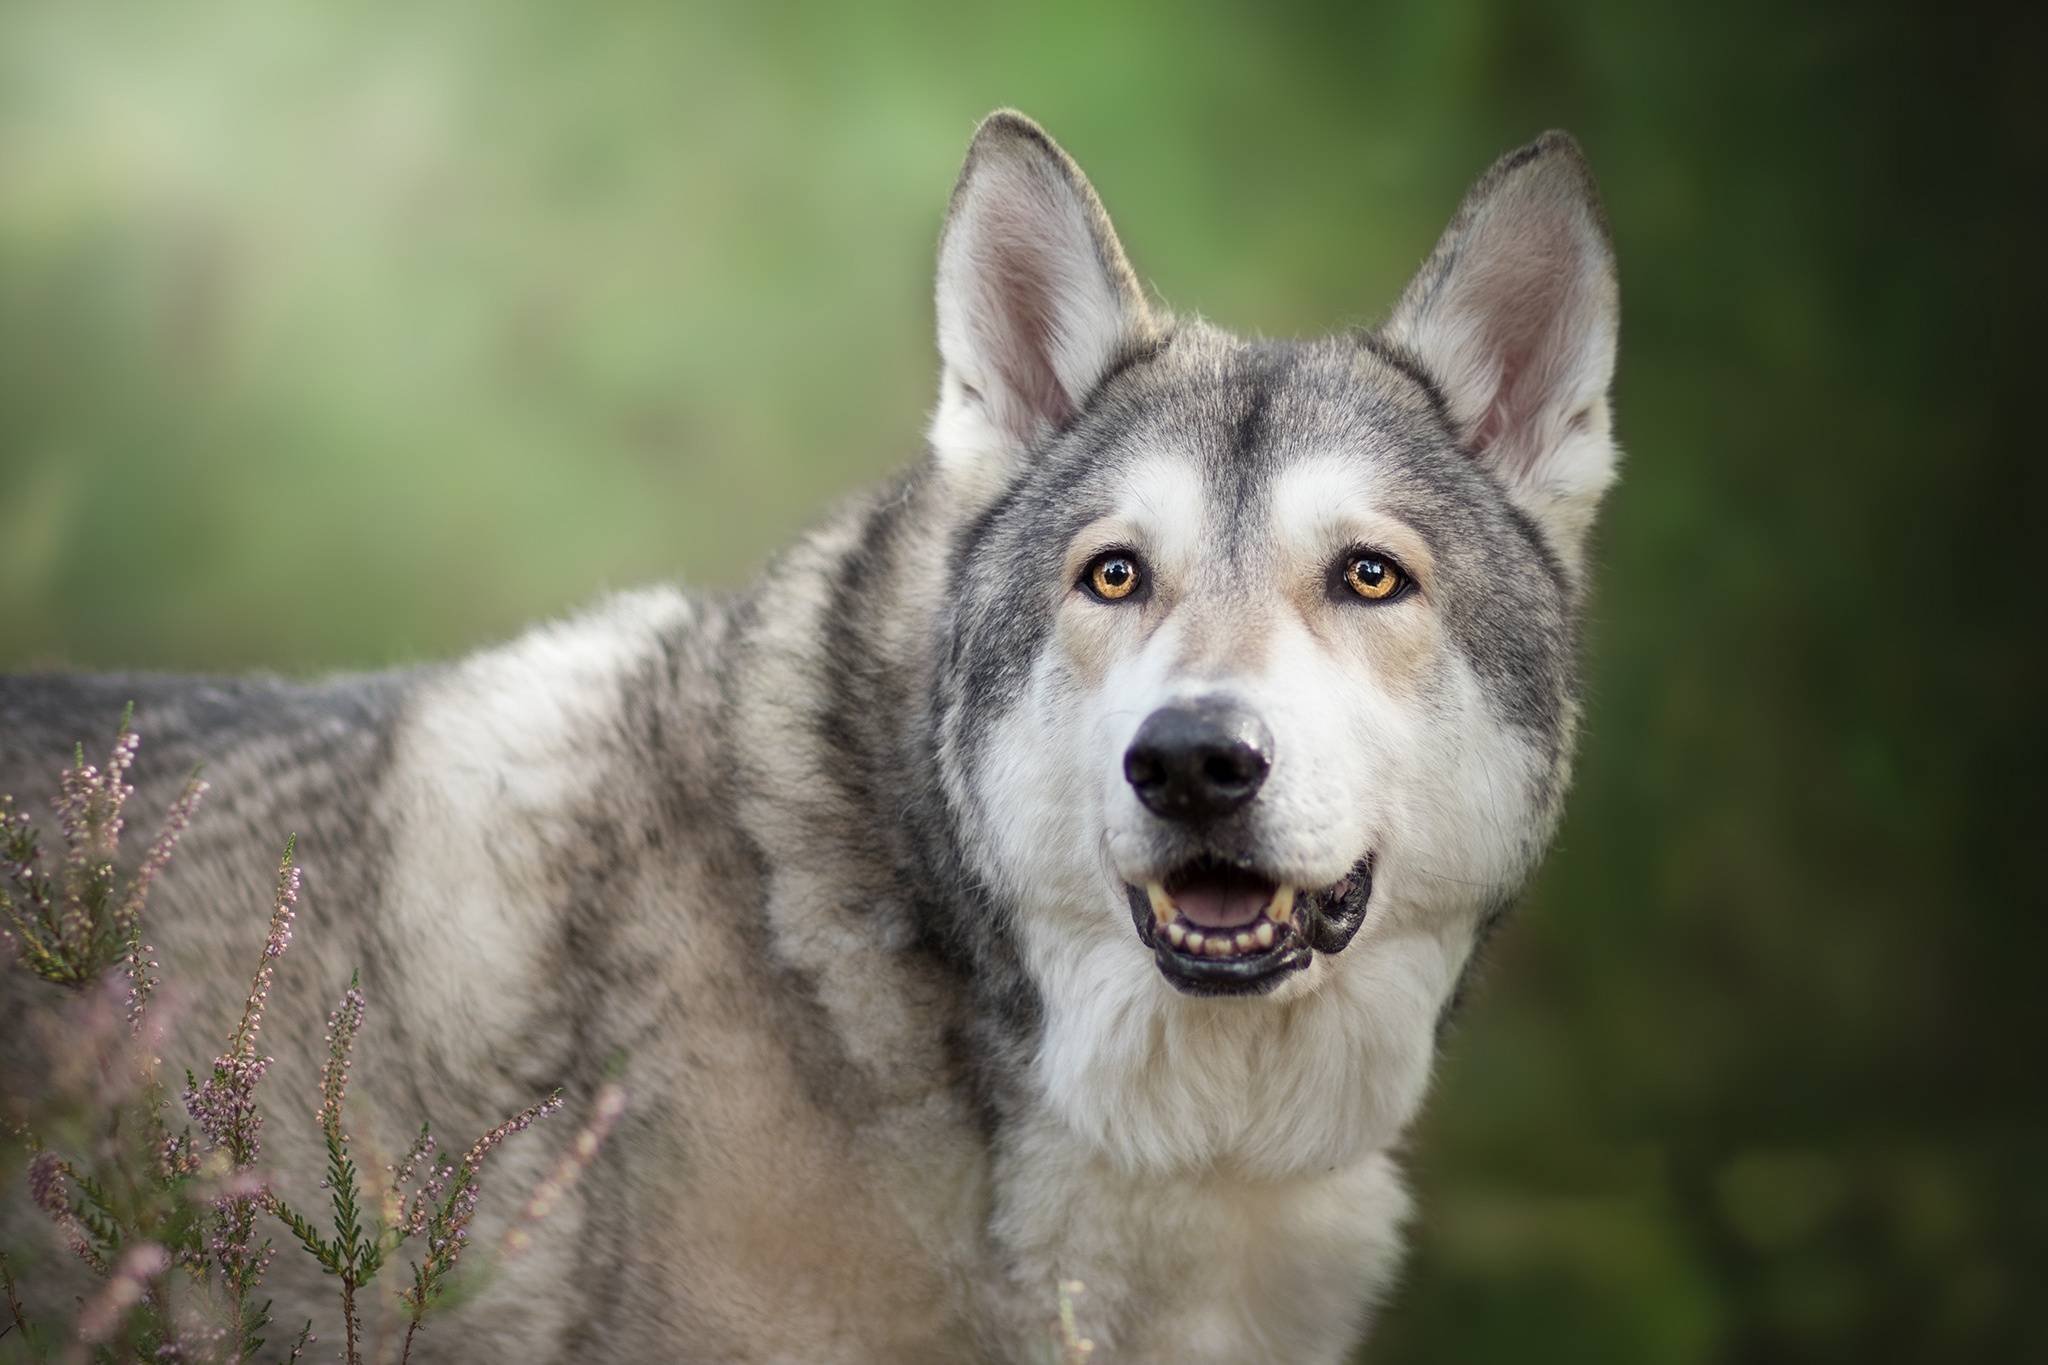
442,1209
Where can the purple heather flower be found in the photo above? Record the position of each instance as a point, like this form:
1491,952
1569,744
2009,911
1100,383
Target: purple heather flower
518,1123
444,1215
226,1102
88,804
46,1185
103,1314
49,1188
283,907
342,1026
422,1148
224,1106
139,964
611,1103
66,935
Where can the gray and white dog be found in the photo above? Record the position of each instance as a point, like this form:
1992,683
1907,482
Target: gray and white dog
1056,867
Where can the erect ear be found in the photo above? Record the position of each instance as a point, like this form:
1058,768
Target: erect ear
1035,299
1515,315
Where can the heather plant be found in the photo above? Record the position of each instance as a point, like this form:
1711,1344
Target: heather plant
71,929
172,1224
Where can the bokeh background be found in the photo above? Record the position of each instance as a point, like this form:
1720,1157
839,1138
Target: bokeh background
345,334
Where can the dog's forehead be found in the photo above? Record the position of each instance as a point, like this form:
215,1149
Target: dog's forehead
1346,385
1243,432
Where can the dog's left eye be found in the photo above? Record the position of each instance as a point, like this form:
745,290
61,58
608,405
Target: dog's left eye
1112,576
1373,576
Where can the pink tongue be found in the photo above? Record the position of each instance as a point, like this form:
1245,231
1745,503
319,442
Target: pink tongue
1217,906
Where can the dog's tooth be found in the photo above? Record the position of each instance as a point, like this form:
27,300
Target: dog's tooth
1177,932
1195,939
1264,934
1281,908
1219,946
1162,904
1244,941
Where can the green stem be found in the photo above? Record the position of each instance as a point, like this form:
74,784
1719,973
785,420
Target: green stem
20,1322
348,1317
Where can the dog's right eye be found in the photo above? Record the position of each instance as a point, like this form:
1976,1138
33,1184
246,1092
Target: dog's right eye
1112,576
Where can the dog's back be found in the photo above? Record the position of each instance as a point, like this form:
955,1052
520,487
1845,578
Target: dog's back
530,857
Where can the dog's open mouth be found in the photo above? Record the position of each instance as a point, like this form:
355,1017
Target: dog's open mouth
1217,928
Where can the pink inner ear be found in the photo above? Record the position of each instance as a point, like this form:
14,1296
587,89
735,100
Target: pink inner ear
1504,428
1494,421
1020,296
1533,304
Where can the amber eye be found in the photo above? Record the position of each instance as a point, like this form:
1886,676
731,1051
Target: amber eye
1112,576
1373,576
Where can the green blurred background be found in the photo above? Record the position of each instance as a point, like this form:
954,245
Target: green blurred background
348,334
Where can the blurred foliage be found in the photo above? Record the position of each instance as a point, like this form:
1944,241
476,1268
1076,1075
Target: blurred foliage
340,334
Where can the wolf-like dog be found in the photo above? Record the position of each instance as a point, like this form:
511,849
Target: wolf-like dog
1057,867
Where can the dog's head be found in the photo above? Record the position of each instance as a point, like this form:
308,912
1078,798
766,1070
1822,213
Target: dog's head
1257,667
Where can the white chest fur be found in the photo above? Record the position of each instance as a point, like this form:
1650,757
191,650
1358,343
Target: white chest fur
1211,1266
1214,1173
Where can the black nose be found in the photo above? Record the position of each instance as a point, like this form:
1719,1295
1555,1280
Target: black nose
1198,760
